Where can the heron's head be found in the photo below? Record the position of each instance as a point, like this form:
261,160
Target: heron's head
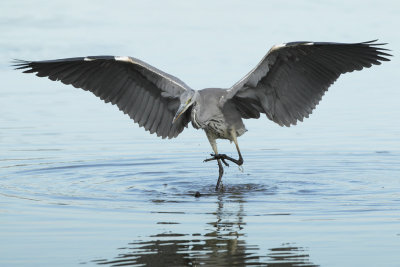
187,100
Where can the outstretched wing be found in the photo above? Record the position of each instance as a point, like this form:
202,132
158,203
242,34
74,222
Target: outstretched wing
291,79
148,95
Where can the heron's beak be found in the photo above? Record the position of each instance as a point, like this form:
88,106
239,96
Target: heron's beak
182,108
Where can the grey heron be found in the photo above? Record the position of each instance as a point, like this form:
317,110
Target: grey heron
286,86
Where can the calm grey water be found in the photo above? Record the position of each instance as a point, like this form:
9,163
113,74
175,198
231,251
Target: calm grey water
80,183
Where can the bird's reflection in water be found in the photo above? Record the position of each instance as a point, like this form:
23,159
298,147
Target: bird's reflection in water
223,244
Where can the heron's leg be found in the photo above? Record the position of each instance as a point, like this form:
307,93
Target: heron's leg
224,156
221,172
213,144
240,160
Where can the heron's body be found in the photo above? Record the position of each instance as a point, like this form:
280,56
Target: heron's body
286,86
220,119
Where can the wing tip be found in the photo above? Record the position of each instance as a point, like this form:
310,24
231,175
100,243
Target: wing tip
18,64
381,56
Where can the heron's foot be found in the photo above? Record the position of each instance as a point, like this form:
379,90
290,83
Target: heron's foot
222,157
241,168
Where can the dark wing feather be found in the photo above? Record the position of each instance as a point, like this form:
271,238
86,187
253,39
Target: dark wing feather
148,95
292,78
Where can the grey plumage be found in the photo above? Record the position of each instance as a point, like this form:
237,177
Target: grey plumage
286,85
149,96
291,79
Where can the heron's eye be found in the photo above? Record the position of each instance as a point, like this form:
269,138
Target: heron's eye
187,102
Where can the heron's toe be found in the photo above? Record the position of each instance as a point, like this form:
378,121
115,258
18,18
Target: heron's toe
226,163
